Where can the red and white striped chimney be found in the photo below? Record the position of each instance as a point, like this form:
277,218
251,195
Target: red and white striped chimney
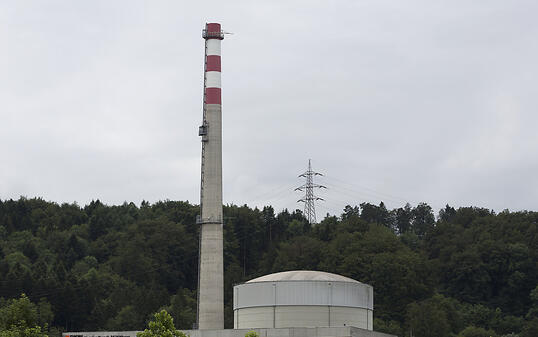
213,36
211,264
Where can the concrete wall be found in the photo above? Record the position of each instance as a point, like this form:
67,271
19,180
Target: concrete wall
100,334
211,193
309,303
319,293
357,317
259,317
302,316
346,331
211,292
211,276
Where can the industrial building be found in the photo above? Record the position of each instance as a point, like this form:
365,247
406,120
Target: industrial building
287,304
300,303
303,298
344,331
210,313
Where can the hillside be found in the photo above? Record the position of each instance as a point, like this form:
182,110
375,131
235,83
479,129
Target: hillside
111,267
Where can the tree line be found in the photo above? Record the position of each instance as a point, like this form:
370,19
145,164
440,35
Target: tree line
461,272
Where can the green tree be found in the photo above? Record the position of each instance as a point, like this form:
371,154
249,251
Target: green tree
402,218
533,311
101,265
162,325
22,318
126,319
426,319
351,211
423,219
183,308
390,327
375,214
18,310
530,329
21,330
473,331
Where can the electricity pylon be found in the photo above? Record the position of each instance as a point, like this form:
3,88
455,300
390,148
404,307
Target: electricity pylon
309,198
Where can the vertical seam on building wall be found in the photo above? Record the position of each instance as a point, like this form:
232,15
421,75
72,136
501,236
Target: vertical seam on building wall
274,305
330,301
368,309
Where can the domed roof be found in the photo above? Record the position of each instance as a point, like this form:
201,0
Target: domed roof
302,275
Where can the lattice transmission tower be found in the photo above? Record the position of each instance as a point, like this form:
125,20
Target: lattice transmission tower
309,197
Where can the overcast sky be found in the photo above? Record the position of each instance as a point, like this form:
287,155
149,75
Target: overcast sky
400,101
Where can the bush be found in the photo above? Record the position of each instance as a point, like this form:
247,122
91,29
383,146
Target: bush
162,325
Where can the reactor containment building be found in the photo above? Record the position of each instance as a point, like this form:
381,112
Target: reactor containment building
303,298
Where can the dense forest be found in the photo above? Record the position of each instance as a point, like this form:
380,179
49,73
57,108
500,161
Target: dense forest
461,272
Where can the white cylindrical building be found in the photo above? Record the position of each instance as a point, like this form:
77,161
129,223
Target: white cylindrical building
303,299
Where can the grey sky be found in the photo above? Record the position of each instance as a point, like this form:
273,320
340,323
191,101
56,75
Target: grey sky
397,101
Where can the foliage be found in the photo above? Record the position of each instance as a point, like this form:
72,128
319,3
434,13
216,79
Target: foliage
110,267
162,325
252,334
22,318
21,330
390,327
530,329
182,308
472,331
427,319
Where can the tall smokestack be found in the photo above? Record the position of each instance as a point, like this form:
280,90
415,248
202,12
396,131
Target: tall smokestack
211,269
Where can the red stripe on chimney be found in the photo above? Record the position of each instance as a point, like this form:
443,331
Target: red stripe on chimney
212,96
213,63
213,27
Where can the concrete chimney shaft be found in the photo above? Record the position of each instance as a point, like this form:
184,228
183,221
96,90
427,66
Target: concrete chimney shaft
211,269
